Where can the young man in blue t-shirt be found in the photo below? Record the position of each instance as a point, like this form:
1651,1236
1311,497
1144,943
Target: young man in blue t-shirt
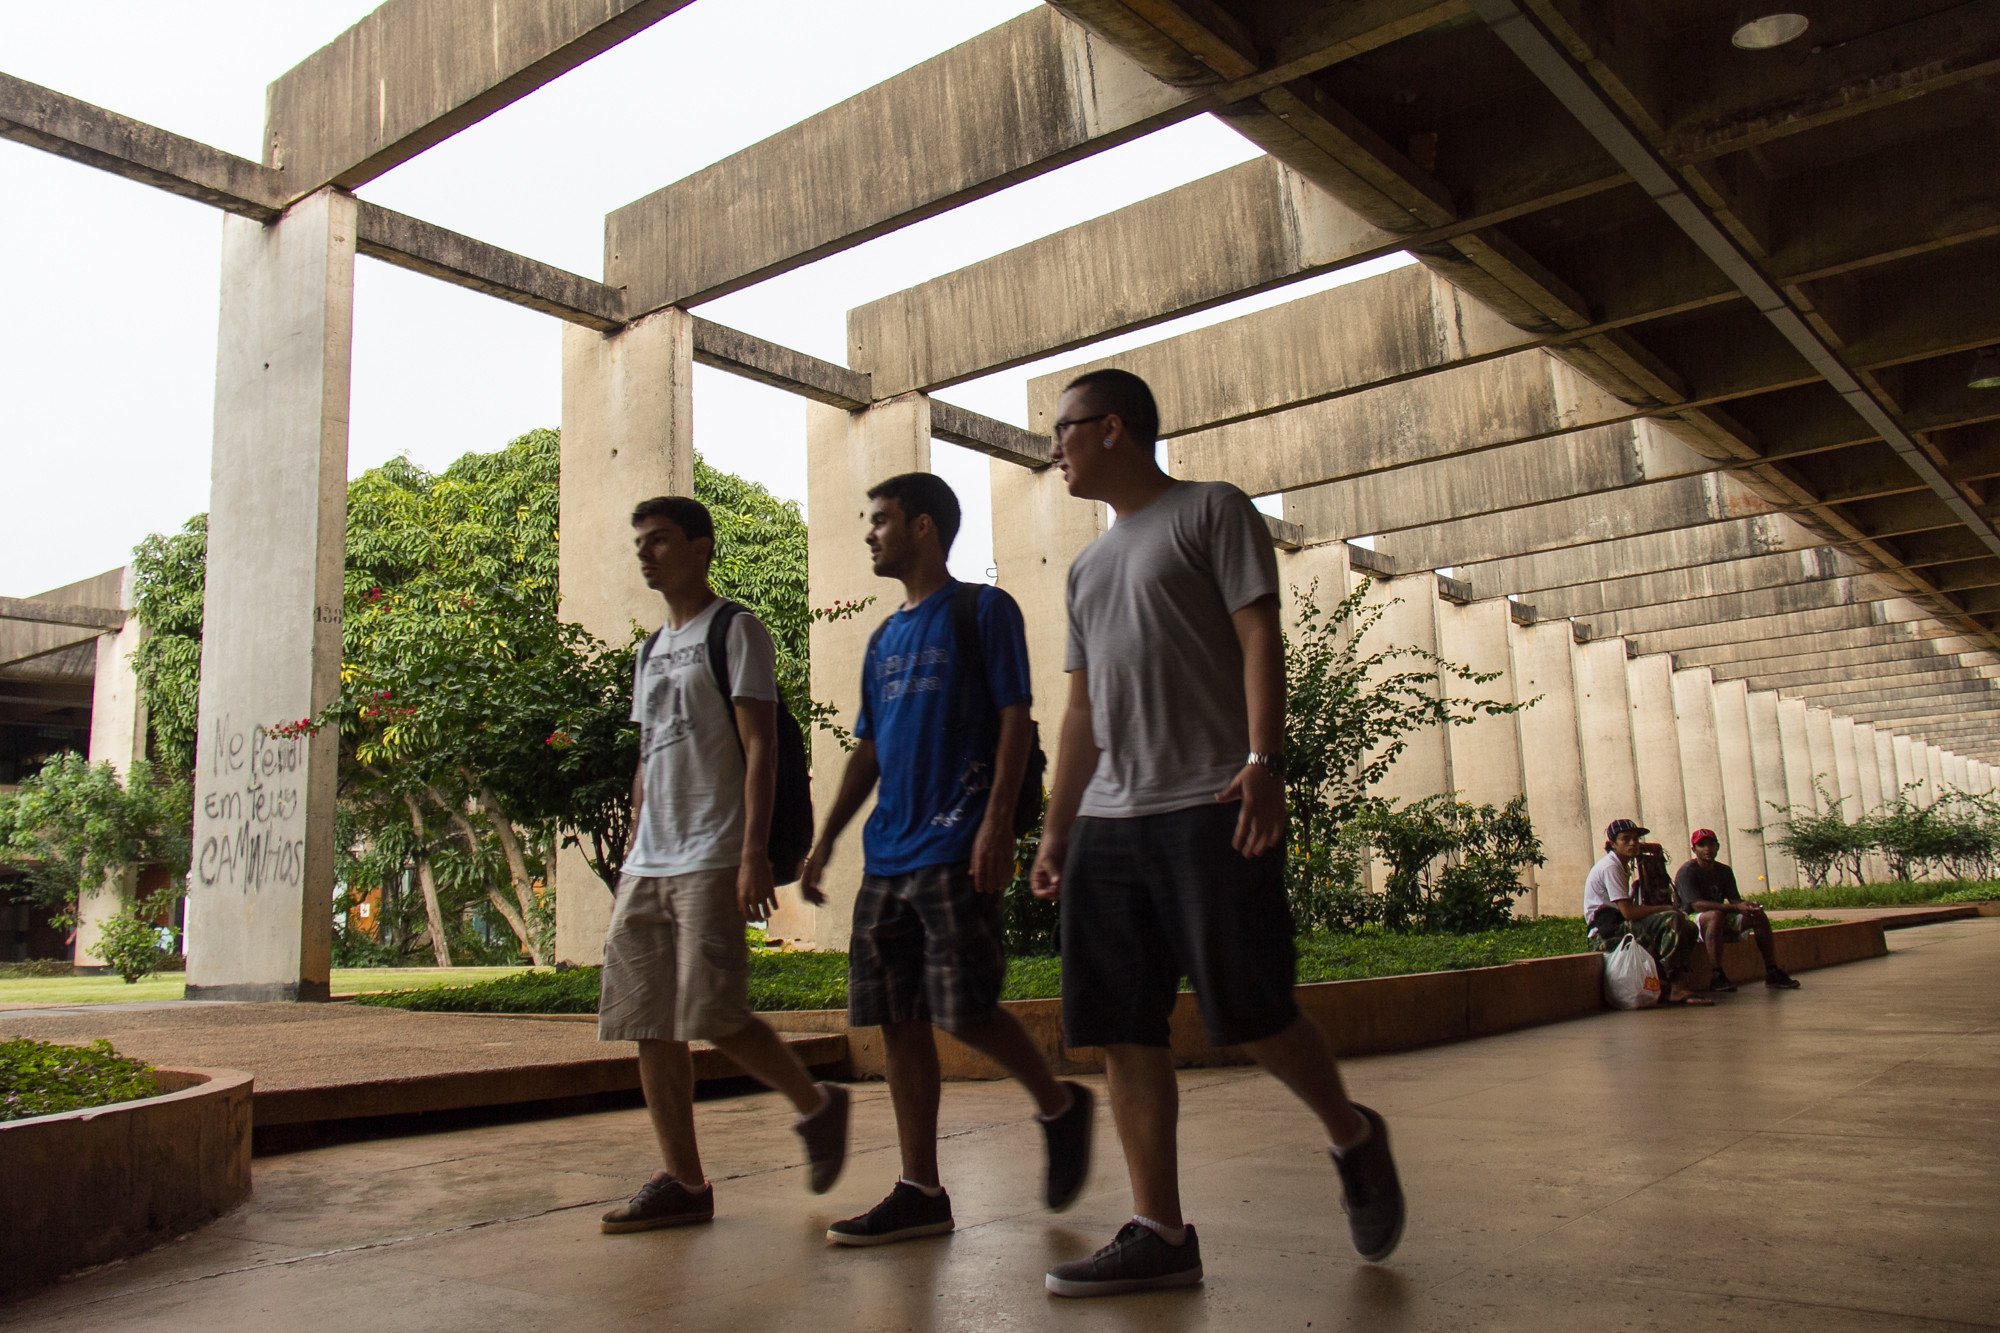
944,752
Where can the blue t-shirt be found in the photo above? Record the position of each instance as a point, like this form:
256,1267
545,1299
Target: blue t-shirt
937,771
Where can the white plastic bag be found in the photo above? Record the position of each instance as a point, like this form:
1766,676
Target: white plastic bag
1630,979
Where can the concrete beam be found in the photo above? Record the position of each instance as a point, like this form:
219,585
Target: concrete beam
415,72
1791,652
35,611
1827,594
1761,629
1666,506
1807,668
995,439
1024,98
1852,676
1756,573
422,247
1648,553
70,127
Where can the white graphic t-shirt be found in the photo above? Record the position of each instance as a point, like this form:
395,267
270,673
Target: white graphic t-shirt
693,763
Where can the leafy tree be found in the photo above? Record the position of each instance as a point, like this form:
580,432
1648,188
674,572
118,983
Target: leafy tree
75,824
477,729
1350,710
1824,844
1453,867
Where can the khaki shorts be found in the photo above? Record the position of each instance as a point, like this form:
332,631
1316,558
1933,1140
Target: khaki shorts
676,966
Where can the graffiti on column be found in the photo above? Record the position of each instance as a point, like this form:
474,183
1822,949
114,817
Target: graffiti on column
249,808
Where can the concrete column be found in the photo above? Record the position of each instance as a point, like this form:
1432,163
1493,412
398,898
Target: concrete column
1039,529
1700,751
627,436
1868,791
1956,774
1604,733
1409,620
1934,763
1739,828
1485,755
1909,784
1847,771
1768,754
117,737
1321,572
260,901
1979,778
1656,749
1827,790
1794,738
847,452
1554,778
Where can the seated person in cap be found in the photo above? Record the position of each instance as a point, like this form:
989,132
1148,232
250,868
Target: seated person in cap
1706,890
1614,911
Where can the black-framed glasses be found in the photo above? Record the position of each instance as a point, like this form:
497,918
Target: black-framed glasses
1063,427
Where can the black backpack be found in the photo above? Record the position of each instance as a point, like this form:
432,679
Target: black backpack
791,806
983,721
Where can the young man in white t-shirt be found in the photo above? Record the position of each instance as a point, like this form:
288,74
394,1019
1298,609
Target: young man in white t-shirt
1612,911
676,964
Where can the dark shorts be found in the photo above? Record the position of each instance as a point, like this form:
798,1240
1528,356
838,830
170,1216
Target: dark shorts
1150,900
926,946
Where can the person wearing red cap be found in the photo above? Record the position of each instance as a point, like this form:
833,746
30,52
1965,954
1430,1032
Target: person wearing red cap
1706,891
1614,912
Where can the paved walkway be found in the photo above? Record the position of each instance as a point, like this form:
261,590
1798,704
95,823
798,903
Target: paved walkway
1825,1159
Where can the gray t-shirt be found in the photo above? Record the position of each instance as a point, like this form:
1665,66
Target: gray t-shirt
693,817
1150,603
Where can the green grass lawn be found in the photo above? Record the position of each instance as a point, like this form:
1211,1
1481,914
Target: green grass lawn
169,986
790,981
1894,894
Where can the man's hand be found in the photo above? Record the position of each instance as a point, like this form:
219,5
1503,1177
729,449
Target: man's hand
1748,909
1045,880
1261,825
993,856
755,893
813,872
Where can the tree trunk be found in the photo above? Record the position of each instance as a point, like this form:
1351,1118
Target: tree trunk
433,911
508,913
517,867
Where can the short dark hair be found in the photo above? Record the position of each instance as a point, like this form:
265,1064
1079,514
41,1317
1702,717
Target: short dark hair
923,493
690,516
1124,394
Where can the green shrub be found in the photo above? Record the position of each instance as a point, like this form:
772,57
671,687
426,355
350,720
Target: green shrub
1900,894
42,1078
1029,925
1453,867
133,944
1824,844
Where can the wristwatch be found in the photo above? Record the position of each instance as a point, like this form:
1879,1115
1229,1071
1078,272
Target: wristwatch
1273,763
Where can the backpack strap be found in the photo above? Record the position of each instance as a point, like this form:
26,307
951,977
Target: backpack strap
717,641
972,656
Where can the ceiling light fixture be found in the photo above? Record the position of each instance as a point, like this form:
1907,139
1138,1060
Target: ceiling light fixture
1759,27
1985,370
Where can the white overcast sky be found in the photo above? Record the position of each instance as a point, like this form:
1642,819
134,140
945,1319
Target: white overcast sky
108,289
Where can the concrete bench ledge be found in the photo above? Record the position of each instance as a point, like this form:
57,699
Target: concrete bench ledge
87,1187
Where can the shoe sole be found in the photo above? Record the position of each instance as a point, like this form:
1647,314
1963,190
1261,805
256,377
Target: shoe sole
1062,1286
890,1237
652,1224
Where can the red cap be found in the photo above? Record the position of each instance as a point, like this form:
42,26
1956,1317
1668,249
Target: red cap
1702,835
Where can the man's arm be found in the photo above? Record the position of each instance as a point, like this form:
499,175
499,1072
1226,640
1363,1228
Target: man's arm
638,795
856,781
1261,825
993,849
1076,760
757,726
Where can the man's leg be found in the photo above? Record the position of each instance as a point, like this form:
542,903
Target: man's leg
1000,1037
666,1075
1760,930
914,1083
764,1056
1145,1105
1714,929
1302,1059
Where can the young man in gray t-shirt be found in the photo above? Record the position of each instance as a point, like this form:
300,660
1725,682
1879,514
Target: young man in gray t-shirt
1166,823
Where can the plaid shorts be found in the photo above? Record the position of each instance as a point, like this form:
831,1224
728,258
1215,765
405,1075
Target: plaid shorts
926,946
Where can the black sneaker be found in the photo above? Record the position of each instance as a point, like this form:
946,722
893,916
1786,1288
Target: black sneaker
906,1214
662,1202
824,1133
1721,984
1370,1192
1779,979
1135,1260
1068,1140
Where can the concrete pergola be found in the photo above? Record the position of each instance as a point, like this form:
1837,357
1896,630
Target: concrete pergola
1669,428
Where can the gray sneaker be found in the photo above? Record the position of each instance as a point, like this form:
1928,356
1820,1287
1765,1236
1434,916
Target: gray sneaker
1370,1191
1067,1138
662,1202
1135,1260
824,1134
906,1214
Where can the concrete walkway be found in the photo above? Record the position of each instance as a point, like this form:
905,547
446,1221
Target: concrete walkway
1823,1159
